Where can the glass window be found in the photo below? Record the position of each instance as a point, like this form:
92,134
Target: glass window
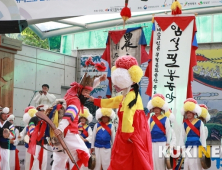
218,28
98,38
203,28
54,43
67,44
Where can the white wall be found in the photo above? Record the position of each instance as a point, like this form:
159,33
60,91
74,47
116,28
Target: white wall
34,67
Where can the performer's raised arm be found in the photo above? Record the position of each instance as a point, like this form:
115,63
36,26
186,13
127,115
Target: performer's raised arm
98,80
108,103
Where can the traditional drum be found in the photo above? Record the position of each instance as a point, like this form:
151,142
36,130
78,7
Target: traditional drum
205,162
92,161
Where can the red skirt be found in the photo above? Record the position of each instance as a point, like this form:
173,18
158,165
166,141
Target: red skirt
136,155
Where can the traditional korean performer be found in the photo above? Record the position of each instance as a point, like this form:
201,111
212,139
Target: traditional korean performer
132,147
160,129
103,138
192,133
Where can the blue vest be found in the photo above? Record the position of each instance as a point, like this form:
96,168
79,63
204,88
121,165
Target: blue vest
87,143
26,144
4,142
192,138
103,138
157,134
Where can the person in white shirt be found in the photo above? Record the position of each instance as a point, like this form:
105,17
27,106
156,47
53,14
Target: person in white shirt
103,138
192,133
44,97
13,143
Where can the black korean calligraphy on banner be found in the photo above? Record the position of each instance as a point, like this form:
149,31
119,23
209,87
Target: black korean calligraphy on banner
128,45
130,41
172,54
170,63
156,66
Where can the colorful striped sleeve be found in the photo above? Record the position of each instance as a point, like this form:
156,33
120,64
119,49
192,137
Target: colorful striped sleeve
31,127
71,112
12,130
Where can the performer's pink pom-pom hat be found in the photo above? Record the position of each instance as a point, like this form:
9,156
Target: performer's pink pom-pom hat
29,113
86,114
158,100
191,105
126,72
204,112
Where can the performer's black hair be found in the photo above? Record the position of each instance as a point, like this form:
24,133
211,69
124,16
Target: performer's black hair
136,89
45,85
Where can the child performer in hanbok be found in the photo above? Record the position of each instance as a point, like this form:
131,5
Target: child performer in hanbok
192,133
29,113
103,138
14,159
160,129
132,148
85,130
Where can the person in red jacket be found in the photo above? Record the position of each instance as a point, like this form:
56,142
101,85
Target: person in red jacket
75,99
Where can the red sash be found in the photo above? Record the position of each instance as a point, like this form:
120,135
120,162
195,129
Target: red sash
192,127
105,127
85,132
159,124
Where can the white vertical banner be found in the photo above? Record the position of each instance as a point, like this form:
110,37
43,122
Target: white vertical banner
170,66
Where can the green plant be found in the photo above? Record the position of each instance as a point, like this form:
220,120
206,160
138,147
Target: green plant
31,38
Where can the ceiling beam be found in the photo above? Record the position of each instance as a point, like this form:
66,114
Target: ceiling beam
37,31
136,19
38,21
83,25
